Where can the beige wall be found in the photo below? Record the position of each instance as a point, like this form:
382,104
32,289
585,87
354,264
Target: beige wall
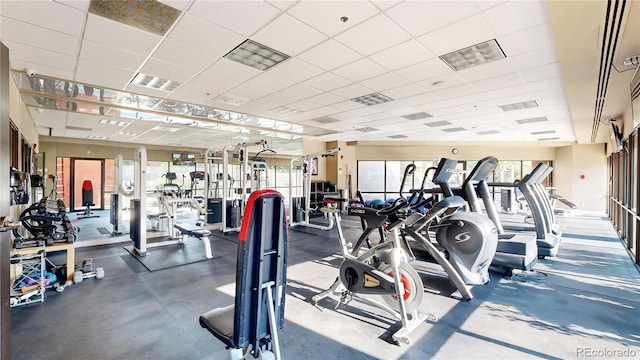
580,175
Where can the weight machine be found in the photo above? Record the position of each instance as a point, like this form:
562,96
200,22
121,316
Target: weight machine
118,199
302,204
138,224
236,179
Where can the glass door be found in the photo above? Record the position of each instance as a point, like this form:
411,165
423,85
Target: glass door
87,177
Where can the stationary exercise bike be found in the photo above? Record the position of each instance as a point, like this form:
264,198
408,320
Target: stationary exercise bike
383,270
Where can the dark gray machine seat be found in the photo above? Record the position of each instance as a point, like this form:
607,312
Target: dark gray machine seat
220,322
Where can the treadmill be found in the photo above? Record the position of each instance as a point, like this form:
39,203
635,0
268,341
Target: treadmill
548,232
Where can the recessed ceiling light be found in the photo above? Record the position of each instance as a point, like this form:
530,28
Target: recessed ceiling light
531,120
256,55
112,122
283,110
455,129
417,116
164,128
325,120
543,132
438,123
474,55
519,105
550,138
154,82
372,99
97,137
488,132
366,129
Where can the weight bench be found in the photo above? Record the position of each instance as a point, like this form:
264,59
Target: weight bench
249,327
197,232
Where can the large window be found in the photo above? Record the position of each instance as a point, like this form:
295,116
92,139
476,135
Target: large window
382,179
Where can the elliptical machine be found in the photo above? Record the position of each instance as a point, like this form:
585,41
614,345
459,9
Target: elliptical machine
469,240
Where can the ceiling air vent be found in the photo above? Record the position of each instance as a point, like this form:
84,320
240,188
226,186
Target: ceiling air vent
417,116
455,129
366,129
488,132
519,105
397,136
325,120
438,123
543,132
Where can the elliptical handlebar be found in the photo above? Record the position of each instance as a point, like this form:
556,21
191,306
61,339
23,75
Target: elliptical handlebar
396,206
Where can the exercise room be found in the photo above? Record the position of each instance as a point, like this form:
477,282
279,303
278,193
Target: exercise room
266,179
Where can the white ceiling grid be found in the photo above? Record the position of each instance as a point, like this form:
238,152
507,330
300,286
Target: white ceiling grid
391,47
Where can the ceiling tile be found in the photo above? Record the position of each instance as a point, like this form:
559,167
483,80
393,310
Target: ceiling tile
542,72
299,37
433,14
242,17
108,76
176,4
402,55
441,82
28,53
404,91
80,5
453,92
303,105
42,69
507,91
486,71
168,71
534,58
530,39
384,82
327,18
296,70
373,35
174,52
470,31
327,82
329,55
351,91
326,99
109,55
146,90
516,15
213,83
270,82
488,4
421,99
299,91
498,82
231,70
425,70
38,37
204,35
46,14
360,70
114,34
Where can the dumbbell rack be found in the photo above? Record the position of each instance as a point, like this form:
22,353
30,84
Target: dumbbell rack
28,278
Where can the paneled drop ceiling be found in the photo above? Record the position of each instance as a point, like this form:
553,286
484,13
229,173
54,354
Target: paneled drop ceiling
540,90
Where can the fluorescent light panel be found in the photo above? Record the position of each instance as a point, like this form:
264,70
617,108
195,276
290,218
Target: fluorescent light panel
455,129
550,138
256,55
112,122
543,132
474,55
488,132
366,129
519,105
531,120
438,123
372,99
154,82
417,116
